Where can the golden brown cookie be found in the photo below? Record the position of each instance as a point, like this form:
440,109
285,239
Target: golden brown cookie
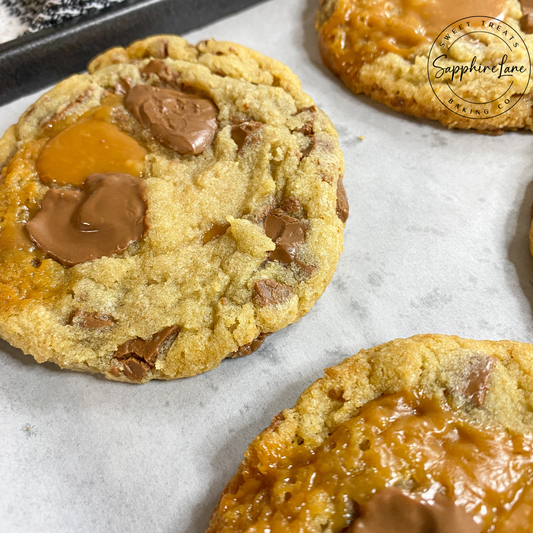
169,209
381,48
426,434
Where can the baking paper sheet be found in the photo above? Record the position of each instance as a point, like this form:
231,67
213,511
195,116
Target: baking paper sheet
437,241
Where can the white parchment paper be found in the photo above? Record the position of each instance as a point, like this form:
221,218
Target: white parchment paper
437,241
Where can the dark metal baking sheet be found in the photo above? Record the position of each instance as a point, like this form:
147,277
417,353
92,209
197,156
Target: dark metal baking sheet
36,60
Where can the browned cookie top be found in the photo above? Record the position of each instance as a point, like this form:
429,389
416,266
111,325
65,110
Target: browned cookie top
167,210
428,434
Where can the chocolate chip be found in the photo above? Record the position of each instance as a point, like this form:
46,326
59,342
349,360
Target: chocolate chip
336,395
162,71
280,225
290,205
343,209
287,232
393,511
307,128
476,384
148,349
526,5
270,292
123,86
135,369
245,133
249,348
216,230
181,122
90,320
309,148
526,23
101,220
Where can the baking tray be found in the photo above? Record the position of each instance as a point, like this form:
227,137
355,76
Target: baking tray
34,61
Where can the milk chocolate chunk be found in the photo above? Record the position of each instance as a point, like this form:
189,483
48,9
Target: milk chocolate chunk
162,71
270,292
247,349
287,232
182,122
244,133
101,220
309,148
135,369
290,205
146,350
90,320
526,23
476,384
343,209
393,511
527,6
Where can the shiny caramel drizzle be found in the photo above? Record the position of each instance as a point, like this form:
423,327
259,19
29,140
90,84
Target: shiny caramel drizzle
359,31
415,443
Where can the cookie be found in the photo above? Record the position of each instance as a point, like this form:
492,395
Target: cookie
431,433
381,49
169,209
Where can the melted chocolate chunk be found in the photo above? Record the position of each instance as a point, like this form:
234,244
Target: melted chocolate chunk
393,511
90,320
526,22
270,292
287,232
179,121
279,225
291,205
249,348
307,128
102,219
162,71
145,350
309,148
477,382
245,133
123,86
343,209
135,369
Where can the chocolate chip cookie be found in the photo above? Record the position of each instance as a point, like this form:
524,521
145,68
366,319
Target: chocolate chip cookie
169,209
427,434
392,49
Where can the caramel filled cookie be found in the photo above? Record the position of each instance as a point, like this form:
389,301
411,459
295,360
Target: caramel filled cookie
431,434
169,209
465,64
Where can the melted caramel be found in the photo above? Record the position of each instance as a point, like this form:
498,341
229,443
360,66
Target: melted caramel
359,31
25,272
90,146
400,440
